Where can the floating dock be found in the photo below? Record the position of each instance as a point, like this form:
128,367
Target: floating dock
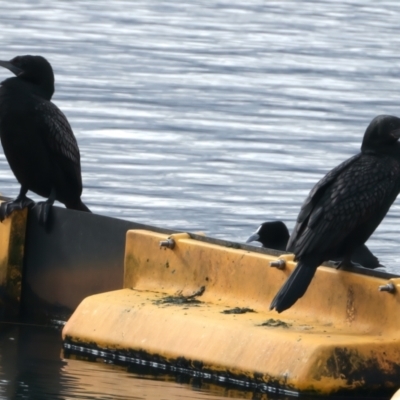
191,304
204,307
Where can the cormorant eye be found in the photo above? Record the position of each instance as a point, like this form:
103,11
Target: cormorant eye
18,61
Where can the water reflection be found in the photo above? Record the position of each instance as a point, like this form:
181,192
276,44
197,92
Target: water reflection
30,362
110,381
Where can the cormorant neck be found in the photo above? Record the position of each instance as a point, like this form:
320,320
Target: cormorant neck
44,89
368,151
392,149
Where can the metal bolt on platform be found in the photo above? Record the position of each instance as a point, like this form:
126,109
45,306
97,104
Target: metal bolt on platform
280,264
389,287
169,243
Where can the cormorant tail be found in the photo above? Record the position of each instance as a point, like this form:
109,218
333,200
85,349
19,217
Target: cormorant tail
295,286
78,205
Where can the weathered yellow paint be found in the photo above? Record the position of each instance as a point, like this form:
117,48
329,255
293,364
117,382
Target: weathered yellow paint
12,242
343,334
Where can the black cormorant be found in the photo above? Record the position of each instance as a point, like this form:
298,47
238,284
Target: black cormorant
344,208
37,139
272,235
275,235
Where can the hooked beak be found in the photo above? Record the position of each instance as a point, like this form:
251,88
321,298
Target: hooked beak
7,64
395,133
253,238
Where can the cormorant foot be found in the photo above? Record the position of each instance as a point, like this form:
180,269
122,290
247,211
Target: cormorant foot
44,211
7,207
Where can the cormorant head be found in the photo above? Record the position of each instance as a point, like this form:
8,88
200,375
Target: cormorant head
382,133
34,69
272,234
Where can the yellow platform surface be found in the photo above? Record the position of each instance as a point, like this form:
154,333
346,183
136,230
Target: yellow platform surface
209,306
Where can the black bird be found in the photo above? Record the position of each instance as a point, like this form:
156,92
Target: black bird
37,139
344,208
272,235
275,235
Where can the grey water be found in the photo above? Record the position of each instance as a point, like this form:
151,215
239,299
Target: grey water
208,116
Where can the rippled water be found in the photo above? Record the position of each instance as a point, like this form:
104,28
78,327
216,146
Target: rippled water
213,116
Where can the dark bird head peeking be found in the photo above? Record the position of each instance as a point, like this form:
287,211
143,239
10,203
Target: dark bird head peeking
344,208
275,235
272,235
37,139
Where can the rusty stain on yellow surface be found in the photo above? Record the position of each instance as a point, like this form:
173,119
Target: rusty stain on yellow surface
342,335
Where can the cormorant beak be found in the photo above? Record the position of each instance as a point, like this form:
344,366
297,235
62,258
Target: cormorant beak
253,238
15,70
395,133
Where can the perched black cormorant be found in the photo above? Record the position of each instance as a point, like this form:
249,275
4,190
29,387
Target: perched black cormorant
344,208
37,139
275,235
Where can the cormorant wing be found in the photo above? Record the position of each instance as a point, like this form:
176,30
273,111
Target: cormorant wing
356,194
53,128
59,137
313,198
